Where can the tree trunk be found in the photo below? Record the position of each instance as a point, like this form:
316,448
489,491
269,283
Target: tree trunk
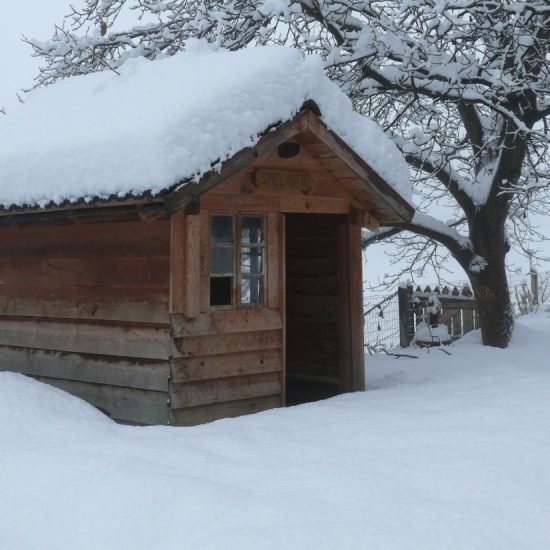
488,276
496,318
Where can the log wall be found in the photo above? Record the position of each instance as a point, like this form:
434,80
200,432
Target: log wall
225,363
84,307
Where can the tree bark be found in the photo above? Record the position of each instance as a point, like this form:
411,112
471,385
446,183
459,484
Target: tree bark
494,307
488,279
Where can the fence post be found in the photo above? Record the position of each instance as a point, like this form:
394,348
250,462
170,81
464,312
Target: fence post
534,286
404,295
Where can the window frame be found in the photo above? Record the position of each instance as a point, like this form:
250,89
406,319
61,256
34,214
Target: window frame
238,246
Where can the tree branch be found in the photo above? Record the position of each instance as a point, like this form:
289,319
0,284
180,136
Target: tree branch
450,183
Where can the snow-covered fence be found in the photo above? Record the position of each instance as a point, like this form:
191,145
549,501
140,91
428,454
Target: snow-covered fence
458,309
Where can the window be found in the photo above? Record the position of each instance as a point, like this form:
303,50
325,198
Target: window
237,260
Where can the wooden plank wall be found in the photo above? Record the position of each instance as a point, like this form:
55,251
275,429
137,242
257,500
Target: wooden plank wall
225,363
84,307
231,362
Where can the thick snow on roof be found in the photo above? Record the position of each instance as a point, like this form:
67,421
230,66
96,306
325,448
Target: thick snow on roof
159,122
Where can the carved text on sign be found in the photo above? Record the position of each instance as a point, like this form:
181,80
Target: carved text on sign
283,180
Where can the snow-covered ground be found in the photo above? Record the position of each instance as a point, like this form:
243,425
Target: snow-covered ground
443,452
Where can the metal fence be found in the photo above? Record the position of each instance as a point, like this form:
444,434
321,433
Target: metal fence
383,319
381,322
382,315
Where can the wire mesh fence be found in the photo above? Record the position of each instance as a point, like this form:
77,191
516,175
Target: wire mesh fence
381,322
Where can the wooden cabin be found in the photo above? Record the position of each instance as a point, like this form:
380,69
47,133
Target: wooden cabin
234,295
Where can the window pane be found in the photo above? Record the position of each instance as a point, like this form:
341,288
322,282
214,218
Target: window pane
221,260
221,291
252,260
252,230
221,229
252,290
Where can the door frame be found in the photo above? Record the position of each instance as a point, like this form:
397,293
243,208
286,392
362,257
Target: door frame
351,367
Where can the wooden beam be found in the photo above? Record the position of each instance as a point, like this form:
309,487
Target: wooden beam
370,221
214,367
221,390
345,366
273,256
97,338
220,344
177,262
199,415
204,290
226,321
97,208
273,203
97,369
384,191
356,301
192,265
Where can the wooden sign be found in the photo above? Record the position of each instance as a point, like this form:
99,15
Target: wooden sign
282,180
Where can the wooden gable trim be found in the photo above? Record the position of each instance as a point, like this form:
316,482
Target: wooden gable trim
376,184
307,121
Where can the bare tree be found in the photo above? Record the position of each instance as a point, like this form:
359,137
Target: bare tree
462,86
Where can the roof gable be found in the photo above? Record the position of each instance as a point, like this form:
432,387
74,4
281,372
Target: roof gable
369,190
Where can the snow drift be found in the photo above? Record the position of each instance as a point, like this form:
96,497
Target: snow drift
442,452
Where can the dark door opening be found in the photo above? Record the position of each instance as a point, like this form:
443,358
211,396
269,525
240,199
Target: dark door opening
313,306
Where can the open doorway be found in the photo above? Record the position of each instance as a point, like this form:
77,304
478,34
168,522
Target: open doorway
316,302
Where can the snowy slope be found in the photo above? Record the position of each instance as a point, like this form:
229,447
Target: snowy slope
442,453
161,122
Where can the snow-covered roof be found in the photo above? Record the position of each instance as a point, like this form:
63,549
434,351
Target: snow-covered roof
161,122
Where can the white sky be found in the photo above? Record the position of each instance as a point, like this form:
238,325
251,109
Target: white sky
36,19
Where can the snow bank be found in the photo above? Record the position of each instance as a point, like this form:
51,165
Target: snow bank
443,452
160,122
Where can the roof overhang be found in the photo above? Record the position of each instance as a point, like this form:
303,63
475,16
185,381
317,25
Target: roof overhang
367,187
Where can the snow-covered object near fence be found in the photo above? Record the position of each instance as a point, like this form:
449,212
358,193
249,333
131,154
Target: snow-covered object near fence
162,123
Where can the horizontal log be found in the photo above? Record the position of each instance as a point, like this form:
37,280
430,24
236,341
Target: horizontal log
226,321
85,271
228,343
201,415
187,369
302,228
99,339
123,404
113,371
192,394
140,303
321,182
126,238
274,203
